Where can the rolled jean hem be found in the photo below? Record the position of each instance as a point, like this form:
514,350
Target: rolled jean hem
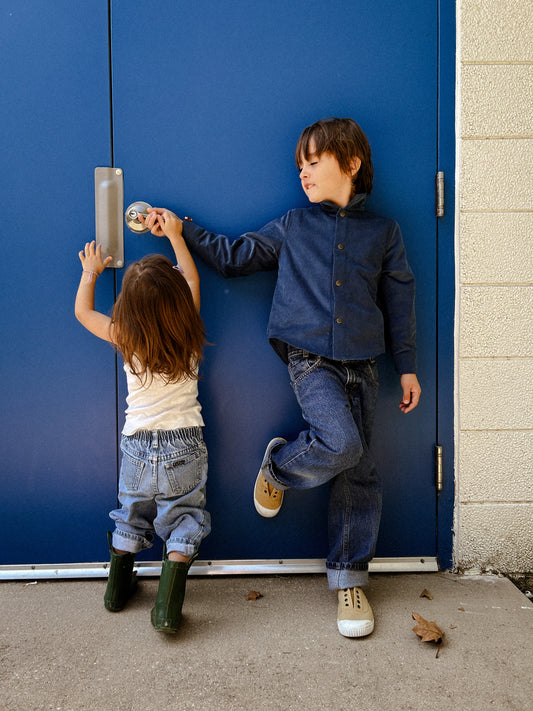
129,542
339,579
180,546
268,473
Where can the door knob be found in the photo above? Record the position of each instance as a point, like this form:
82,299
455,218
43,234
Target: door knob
132,216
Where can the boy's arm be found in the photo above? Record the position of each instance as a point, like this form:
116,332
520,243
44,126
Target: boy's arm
163,222
397,290
251,252
93,265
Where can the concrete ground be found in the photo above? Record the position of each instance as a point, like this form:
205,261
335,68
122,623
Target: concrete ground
61,650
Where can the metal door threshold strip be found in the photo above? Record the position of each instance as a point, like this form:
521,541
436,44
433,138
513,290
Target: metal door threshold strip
213,567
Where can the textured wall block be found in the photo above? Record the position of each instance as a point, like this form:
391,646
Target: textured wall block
496,100
496,394
496,31
496,174
496,321
496,536
496,248
494,503
495,467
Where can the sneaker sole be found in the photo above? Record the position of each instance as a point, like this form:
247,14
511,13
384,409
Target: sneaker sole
353,628
266,513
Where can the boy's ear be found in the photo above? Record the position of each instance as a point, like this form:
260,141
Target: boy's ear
355,165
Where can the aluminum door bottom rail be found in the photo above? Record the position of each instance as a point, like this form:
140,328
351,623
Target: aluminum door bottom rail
213,567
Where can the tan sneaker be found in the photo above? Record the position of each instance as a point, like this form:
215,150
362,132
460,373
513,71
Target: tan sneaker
354,615
267,499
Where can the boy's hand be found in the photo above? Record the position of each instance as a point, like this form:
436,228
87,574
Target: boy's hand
162,223
411,392
91,258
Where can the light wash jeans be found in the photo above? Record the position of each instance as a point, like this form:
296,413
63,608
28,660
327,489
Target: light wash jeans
338,402
162,489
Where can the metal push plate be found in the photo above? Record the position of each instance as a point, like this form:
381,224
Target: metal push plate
109,211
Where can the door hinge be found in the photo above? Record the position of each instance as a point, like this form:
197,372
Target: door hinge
439,469
439,194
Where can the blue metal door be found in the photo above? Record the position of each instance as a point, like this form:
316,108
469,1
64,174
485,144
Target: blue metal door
200,104
208,101
58,382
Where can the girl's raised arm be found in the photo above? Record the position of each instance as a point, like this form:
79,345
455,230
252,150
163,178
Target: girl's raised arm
93,265
164,223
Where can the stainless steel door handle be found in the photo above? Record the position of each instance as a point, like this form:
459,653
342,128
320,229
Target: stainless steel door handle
109,206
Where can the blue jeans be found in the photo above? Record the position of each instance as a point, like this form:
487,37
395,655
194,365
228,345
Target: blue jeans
162,489
338,402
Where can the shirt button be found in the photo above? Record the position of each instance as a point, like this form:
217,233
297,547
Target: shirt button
342,214
338,282
340,246
339,320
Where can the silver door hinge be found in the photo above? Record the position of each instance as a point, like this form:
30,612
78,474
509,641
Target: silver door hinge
439,194
439,468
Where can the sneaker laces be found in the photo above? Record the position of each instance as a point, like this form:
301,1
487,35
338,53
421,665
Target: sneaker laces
352,598
269,489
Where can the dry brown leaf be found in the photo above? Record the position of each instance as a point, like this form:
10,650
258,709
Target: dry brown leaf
253,595
426,593
428,631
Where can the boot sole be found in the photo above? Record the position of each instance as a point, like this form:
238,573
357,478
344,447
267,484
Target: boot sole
161,627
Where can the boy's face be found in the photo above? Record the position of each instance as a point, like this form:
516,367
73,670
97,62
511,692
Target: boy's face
322,178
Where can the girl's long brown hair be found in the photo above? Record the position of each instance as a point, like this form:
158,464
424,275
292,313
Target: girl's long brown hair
156,325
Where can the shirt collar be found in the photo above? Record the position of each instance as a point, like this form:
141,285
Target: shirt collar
356,204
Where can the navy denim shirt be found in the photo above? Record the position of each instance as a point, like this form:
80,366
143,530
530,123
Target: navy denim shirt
342,275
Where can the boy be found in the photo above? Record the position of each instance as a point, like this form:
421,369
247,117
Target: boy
335,262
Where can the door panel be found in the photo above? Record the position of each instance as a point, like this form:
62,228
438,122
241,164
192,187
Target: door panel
58,381
208,102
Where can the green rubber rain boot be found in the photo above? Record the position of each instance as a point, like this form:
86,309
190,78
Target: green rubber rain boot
166,614
122,581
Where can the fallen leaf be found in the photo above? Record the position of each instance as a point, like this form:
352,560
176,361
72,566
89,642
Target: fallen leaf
426,593
253,595
428,631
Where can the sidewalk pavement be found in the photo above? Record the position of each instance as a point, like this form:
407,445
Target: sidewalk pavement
61,650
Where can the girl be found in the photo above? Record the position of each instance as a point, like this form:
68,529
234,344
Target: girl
156,326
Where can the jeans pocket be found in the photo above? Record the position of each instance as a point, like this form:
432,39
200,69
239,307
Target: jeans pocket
131,472
372,369
185,471
301,363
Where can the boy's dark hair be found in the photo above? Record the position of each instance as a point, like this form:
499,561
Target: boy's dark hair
345,140
156,325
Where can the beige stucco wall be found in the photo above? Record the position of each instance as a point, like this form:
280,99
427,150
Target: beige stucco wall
494,324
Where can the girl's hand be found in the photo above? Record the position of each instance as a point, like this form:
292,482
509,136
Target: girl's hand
162,223
91,258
